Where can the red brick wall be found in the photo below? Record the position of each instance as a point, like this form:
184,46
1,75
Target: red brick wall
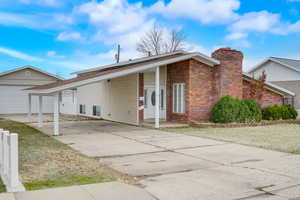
201,91
178,73
141,94
228,75
269,98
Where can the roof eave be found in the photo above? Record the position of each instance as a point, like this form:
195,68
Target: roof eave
211,62
272,87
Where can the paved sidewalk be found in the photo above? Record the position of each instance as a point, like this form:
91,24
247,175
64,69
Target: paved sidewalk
107,191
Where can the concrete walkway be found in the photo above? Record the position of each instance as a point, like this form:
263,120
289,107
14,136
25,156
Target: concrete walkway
105,191
179,167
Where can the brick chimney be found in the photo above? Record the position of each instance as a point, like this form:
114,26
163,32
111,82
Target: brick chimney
228,75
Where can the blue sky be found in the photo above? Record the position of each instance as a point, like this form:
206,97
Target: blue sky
66,36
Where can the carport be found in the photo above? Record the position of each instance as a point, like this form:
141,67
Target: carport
55,90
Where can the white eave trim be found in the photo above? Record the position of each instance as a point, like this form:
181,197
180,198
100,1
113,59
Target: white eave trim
144,60
32,68
272,87
210,61
256,67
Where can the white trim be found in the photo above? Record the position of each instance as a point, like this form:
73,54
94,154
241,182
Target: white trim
118,74
32,68
157,96
179,108
272,87
256,67
138,99
204,57
144,59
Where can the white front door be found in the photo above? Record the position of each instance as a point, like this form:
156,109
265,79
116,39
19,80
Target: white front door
150,101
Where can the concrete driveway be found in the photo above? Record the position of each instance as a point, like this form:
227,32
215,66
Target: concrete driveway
174,166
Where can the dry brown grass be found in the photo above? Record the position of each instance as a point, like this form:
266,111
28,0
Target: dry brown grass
46,162
281,137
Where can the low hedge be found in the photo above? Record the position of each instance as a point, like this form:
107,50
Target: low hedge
279,112
228,110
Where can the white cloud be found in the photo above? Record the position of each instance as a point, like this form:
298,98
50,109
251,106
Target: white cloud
46,3
66,36
263,21
259,22
53,54
18,54
115,15
206,11
53,21
236,36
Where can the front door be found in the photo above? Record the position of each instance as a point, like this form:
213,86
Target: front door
150,101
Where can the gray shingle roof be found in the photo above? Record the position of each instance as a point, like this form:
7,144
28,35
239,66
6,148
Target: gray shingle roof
290,62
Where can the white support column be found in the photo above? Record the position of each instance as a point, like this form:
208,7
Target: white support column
157,99
29,106
56,115
75,101
40,112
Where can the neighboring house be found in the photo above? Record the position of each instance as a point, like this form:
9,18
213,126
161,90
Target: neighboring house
177,86
14,99
281,72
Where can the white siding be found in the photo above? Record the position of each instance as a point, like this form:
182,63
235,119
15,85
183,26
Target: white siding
117,98
14,100
26,77
277,72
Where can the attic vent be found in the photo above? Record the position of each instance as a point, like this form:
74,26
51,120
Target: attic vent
27,73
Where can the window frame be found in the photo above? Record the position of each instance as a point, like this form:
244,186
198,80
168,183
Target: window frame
82,109
95,113
179,98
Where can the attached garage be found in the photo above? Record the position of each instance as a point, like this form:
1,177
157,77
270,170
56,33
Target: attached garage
13,98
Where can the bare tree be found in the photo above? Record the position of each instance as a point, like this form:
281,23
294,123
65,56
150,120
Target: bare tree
158,41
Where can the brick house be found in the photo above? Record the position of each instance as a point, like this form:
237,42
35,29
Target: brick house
178,86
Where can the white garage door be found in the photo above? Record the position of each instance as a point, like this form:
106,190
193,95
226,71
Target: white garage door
14,100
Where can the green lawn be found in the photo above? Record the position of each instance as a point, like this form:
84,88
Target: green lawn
282,137
45,162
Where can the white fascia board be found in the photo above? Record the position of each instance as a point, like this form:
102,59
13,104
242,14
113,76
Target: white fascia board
33,68
284,64
280,88
258,65
116,74
206,59
274,88
127,62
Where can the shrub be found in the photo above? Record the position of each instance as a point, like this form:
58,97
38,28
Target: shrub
293,113
272,113
244,114
285,113
226,110
279,112
255,112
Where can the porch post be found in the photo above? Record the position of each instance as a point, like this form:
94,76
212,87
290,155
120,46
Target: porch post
40,111
157,99
75,101
29,106
56,114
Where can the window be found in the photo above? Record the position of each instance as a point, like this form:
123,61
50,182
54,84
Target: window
178,98
82,109
96,110
288,101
